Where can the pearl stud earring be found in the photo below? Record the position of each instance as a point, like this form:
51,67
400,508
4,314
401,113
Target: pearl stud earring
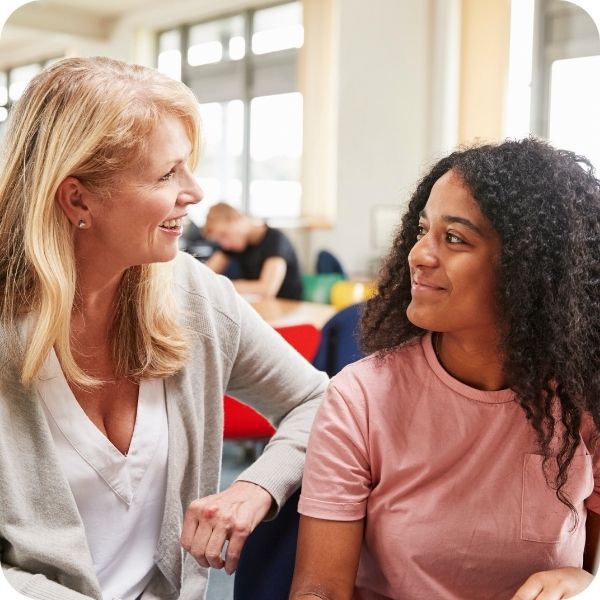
81,224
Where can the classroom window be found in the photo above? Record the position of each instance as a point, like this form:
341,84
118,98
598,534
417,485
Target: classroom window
243,70
3,97
566,88
13,82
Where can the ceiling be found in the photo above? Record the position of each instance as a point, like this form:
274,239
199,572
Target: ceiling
40,28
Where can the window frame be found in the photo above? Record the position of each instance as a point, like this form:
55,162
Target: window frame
7,71
258,75
547,51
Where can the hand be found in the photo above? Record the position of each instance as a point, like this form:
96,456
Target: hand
554,585
230,515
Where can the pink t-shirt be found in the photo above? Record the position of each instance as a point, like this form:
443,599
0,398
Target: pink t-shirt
448,477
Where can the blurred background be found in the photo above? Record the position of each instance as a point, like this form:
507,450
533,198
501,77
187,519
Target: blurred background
320,115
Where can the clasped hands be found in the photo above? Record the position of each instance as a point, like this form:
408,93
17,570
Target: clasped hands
224,518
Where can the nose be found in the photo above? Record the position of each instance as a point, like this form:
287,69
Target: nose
424,253
191,192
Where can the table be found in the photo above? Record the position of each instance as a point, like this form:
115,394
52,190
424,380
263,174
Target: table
281,313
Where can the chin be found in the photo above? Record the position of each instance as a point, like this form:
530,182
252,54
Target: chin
420,318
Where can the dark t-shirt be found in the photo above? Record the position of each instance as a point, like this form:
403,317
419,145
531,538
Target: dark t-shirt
274,243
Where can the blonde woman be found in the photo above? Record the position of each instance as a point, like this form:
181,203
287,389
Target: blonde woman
116,351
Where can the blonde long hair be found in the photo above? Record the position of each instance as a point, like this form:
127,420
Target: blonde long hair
88,118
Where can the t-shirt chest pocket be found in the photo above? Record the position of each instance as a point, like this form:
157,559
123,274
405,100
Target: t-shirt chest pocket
544,518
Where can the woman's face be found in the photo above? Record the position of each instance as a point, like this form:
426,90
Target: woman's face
453,263
142,221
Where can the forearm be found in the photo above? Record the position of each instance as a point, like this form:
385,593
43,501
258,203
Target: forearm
254,286
279,469
315,595
268,283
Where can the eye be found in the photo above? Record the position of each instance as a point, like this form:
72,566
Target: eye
168,176
452,238
421,231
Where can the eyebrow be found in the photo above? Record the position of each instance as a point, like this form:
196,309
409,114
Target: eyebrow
455,219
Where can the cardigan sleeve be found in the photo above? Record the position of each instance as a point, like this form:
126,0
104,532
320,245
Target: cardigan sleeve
271,376
35,585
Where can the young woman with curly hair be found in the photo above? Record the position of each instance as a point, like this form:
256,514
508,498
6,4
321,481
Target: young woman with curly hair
459,456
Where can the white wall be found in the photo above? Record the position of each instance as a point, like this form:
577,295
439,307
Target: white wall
384,112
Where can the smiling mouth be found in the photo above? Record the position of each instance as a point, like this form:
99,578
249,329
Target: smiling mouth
418,286
172,224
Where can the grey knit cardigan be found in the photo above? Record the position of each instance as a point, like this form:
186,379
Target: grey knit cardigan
43,548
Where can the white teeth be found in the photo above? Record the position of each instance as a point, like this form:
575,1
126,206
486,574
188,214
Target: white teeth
171,223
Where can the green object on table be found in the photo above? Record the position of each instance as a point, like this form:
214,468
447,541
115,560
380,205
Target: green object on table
316,287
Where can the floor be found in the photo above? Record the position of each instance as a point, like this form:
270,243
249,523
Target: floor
235,460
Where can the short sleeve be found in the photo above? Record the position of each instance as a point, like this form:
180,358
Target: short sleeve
276,244
337,476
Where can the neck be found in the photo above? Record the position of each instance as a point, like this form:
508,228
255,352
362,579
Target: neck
96,293
256,233
474,359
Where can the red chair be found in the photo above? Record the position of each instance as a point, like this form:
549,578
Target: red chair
241,421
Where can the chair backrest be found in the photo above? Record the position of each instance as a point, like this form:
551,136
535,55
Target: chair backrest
305,338
328,263
316,287
339,341
242,422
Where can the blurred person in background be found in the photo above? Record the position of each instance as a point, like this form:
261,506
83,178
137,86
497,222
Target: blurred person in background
116,351
267,260
461,460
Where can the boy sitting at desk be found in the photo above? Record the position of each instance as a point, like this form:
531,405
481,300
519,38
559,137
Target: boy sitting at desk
269,265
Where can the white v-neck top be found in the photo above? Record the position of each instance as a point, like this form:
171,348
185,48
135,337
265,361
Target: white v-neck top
120,498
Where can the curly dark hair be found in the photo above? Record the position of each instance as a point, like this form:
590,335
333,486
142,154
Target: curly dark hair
545,205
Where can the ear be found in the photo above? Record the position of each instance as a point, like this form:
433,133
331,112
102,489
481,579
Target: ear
74,199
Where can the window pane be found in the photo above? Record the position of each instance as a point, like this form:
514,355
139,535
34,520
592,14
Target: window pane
169,54
275,153
19,78
220,168
215,41
3,89
278,28
575,106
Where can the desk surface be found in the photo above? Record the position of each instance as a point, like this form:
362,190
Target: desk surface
280,313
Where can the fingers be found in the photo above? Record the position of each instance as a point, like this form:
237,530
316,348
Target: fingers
238,538
215,528
554,585
209,533
530,590
203,534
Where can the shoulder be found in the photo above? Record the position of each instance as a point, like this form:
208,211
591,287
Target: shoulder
374,375
201,291
276,236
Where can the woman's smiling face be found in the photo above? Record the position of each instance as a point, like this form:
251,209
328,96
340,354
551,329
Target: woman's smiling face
453,264
142,220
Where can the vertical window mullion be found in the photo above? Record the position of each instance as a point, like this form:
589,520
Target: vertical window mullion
248,80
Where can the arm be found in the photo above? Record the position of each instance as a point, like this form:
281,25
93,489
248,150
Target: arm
568,581
269,281
592,541
271,376
36,585
218,261
326,559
